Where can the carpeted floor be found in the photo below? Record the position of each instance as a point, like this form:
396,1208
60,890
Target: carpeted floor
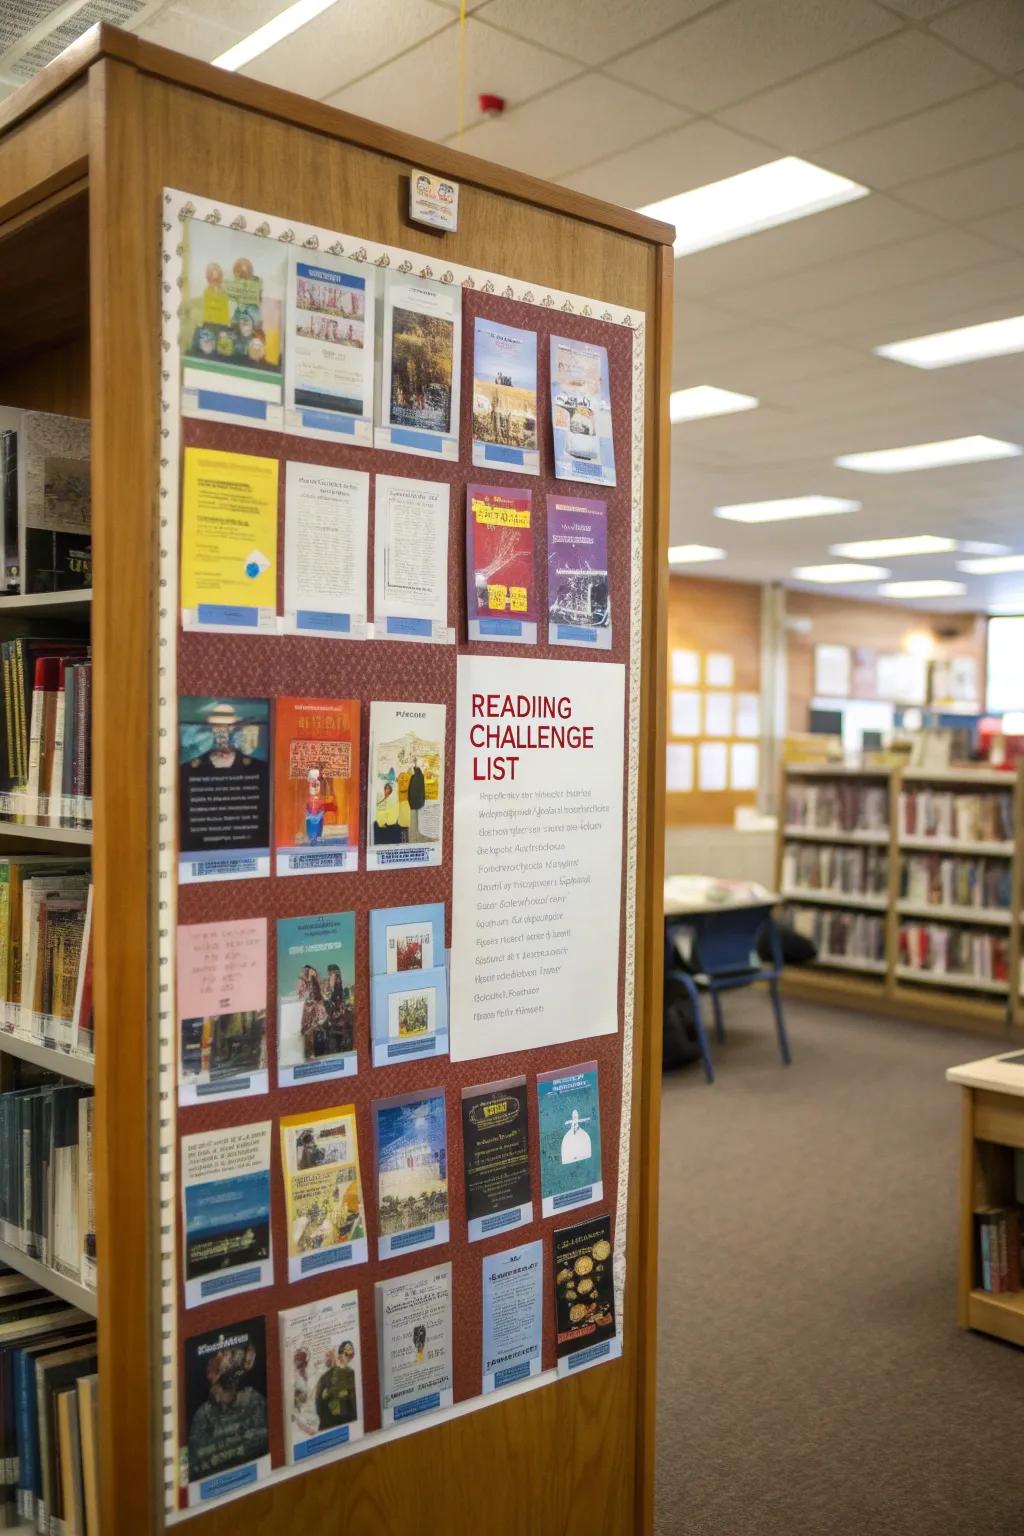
812,1379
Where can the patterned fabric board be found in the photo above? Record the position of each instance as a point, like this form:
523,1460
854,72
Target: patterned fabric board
276,666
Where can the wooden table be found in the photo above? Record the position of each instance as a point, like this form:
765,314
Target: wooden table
992,1128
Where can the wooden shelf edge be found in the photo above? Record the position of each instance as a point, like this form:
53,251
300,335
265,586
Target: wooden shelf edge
81,836
81,1068
1000,1315
69,1290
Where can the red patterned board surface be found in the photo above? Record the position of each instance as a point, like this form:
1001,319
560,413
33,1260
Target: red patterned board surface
265,666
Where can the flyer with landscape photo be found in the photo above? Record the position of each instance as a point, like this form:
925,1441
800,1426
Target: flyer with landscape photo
330,354
228,1438
316,786
316,997
581,412
420,366
325,539
496,1157
321,1376
500,577
411,1146
405,785
414,1343
570,1138
222,1010
579,609
223,789
585,1295
513,1286
505,397
225,1182
323,1191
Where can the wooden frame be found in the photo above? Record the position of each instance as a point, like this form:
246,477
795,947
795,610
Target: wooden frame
992,1126
87,146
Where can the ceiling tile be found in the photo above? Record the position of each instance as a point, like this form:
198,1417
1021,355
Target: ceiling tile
985,186
540,136
677,161
763,373
986,122
886,80
189,33
238,16
990,30
346,41
599,31
418,91
1006,227
964,298
747,45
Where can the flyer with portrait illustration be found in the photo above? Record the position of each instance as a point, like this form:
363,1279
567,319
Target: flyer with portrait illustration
316,998
321,1376
225,1206
570,1138
222,1010
223,789
228,542
496,1157
513,1286
421,355
504,397
411,1153
579,608
414,1343
581,412
228,1438
322,1191
584,1295
316,786
500,578
405,785
330,353
326,515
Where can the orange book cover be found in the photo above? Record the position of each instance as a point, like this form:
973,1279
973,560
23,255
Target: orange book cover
316,785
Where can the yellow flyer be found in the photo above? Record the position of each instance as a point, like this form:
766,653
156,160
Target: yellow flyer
228,541
322,1191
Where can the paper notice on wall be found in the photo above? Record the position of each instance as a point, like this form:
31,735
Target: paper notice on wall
685,719
679,767
712,765
685,669
744,764
718,669
538,853
718,714
748,714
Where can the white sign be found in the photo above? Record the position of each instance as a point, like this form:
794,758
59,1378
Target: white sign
537,875
433,200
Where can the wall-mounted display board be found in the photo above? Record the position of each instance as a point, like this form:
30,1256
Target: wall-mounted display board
379,552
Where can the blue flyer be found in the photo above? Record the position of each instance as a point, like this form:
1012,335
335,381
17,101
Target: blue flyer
581,412
409,1015
512,1331
570,1138
406,938
411,1144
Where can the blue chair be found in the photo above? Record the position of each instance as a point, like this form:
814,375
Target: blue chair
723,955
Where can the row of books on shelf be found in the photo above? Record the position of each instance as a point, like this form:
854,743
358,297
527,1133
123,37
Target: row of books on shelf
955,816
837,869
837,806
838,935
957,881
46,951
46,731
45,483
49,1450
997,1230
47,1206
941,949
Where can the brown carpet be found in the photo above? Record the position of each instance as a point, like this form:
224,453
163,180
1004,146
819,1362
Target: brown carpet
812,1379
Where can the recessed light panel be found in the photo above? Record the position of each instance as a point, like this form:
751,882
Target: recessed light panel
274,31
789,507
991,565
693,554
923,589
770,194
893,549
706,400
954,450
836,575
965,345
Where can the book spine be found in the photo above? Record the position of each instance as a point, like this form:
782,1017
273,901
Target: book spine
78,771
983,1251
67,808
9,472
35,744
87,744
54,806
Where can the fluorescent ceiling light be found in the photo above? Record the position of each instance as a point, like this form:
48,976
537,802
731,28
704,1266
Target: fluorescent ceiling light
923,589
278,27
741,205
706,400
965,345
781,511
693,554
954,450
991,565
837,574
891,549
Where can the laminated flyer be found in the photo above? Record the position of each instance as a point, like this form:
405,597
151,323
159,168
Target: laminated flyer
584,1295
405,785
321,1376
570,1138
232,321
579,609
228,1439
581,412
421,355
504,397
316,786
326,515
406,938
409,1015
513,1286
228,541
330,353
222,1010
496,1157
316,997
322,1191
414,1343
225,1202
223,789
500,577
410,559
411,1146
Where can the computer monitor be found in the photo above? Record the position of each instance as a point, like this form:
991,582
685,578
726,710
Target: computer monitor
826,722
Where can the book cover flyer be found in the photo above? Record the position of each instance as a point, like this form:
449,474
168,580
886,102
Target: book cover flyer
316,997
225,1182
323,1191
501,585
232,322
325,540
316,786
228,541
410,559
570,1138
496,1157
411,1145
581,412
513,1289
584,1295
223,789
579,610
504,397
226,1409
321,1376
405,785
421,352
406,938
330,354
52,502
409,1015
222,1010
414,1343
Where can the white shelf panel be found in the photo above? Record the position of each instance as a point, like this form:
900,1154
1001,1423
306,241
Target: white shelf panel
817,835
19,831
953,845
69,1290
960,983
82,1068
850,963
997,917
834,771
53,605
967,776
837,899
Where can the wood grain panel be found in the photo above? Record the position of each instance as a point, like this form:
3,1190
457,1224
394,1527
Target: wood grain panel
44,153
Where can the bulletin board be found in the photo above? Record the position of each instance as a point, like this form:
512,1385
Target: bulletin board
273,666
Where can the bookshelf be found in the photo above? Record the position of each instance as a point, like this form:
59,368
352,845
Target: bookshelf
50,1279
49,1057
927,868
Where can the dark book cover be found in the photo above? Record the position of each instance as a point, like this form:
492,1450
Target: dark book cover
584,1288
226,1398
9,492
496,1155
224,775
